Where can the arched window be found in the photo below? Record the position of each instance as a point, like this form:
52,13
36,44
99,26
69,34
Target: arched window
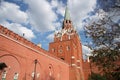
62,58
16,76
69,21
4,75
68,48
66,21
50,73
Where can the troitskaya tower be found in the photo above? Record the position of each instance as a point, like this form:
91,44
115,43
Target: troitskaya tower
67,46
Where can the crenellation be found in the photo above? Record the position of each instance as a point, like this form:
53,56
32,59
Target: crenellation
8,33
1,29
5,31
17,37
26,41
21,55
11,34
21,39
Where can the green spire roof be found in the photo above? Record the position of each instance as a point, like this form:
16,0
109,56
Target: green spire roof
67,14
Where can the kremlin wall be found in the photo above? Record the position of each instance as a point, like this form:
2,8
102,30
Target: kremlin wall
26,61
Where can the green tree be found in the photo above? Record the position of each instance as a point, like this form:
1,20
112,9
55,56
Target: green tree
95,76
104,30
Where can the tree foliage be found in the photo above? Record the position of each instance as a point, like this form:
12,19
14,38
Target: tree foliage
95,76
104,30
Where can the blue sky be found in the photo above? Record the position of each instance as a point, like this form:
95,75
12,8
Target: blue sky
39,19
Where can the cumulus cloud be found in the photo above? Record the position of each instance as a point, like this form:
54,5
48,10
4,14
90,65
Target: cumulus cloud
19,29
86,51
79,10
59,6
12,12
50,36
41,15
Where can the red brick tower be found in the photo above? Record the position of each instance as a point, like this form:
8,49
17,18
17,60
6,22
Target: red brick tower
67,46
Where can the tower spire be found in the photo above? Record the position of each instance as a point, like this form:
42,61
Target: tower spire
67,14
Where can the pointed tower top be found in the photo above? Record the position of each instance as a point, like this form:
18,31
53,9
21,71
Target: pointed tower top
67,14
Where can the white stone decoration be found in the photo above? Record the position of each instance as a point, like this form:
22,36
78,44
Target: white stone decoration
16,76
4,75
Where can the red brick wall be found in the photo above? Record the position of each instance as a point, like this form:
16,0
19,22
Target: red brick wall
20,54
68,37
88,68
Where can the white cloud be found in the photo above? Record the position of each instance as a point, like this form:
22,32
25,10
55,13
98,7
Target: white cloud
86,51
11,11
59,5
19,29
41,15
50,37
54,3
79,10
61,10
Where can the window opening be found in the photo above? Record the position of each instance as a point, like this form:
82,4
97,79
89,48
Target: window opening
62,58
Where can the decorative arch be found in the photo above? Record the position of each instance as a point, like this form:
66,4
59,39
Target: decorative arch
36,71
13,64
50,72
